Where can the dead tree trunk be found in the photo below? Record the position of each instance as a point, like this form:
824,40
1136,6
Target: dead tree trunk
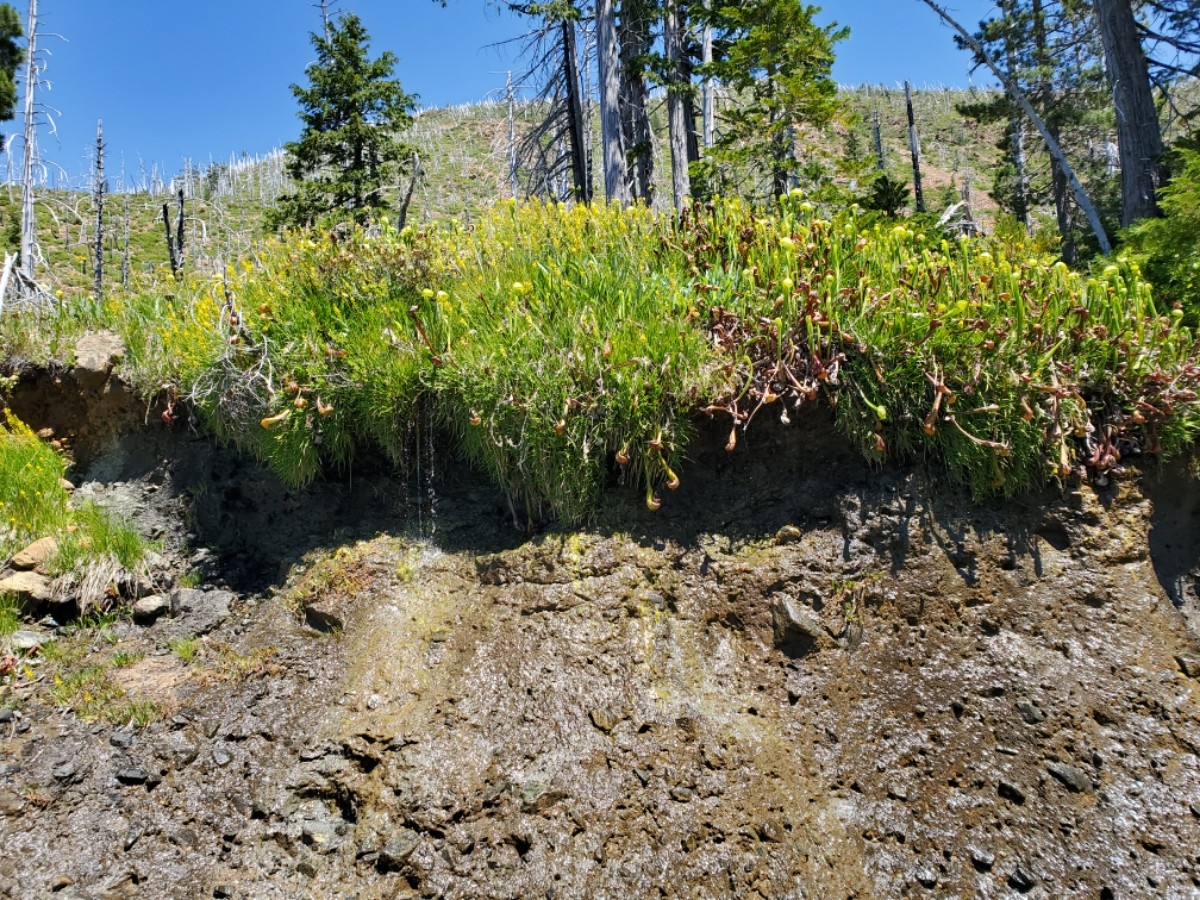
579,166
1016,93
172,257
1060,185
877,132
608,65
402,218
125,251
914,148
98,202
28,222
677,107
710,89
636,42
1139,137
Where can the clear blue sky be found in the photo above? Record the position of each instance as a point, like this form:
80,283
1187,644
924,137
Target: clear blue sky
207,79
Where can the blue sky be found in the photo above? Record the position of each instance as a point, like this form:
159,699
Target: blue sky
210,78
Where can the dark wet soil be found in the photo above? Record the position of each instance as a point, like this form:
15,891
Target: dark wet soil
802,678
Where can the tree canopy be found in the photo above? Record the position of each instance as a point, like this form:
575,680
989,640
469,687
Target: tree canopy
353,111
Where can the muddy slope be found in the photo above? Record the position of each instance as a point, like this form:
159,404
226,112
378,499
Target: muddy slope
802,678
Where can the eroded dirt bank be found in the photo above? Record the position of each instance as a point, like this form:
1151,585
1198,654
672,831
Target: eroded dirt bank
801,678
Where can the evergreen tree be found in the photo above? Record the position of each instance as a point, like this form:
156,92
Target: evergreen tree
350,151
779,60
11,56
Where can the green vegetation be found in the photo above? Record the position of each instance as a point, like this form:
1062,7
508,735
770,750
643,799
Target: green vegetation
186,649
91,694
12,55
353,111
93,544
555,346
1169,248
10,615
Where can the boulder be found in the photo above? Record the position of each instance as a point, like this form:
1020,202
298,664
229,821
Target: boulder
95,356
27,587
27,640
35,554
194,612
150,608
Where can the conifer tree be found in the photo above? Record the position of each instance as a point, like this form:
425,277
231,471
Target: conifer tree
779,60
11,56
353,111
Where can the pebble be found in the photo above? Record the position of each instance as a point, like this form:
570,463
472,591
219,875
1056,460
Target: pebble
1010,791
1030,712
926,877
65,770
603,719
1021,880
1072,778
982,859
122,738
6,715
1189,664
132,775
222,757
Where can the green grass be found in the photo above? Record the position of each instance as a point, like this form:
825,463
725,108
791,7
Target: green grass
93,543
32,502
99,534
91,694
10,615
186,649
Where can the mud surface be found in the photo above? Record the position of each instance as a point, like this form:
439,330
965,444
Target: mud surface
802,678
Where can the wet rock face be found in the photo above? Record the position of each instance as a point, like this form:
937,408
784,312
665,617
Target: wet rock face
855,687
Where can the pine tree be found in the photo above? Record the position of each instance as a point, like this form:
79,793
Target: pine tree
11,56
778,59
350,151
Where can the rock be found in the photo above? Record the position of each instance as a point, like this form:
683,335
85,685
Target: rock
788,534
95,356
681,794
1072,778
122,738
6,715
194,612
399,848
1030,712
603,719
26,640
65,771
223,890
1010,791
27,587
67,486
926,877
10,803
178,750
308,866
981,859
222,757
132,775
61,881
150,608
798,632
35,554
1189,664
1021,881
324,615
